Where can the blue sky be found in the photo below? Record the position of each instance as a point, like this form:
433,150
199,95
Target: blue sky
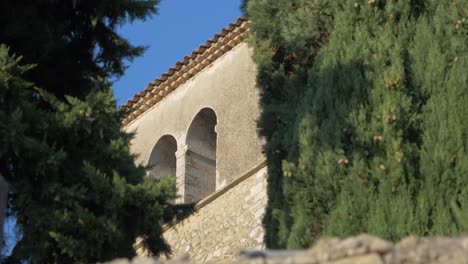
180,27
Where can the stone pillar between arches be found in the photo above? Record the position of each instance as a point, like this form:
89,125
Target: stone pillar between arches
200,175
195,175
180,173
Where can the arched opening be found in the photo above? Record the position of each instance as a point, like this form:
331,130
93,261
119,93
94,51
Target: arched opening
200,169
162,160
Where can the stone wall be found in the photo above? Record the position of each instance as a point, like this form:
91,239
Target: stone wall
362,249
225,222
366,249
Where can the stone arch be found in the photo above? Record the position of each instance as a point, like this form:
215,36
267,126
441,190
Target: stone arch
200,157
162,160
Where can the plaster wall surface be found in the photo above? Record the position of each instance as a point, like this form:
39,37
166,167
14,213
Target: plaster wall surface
227,86
224,226
212,118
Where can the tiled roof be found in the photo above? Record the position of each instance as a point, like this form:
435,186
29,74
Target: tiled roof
184,69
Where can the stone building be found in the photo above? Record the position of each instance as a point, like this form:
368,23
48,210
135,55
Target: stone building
198,123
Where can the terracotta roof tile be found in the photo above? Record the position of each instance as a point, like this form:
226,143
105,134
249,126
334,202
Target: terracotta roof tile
186,68
149,88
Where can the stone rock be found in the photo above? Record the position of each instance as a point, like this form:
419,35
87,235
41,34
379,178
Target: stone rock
366,249
362,249
184,259
375,244
363,259
144,260
136,260
430,251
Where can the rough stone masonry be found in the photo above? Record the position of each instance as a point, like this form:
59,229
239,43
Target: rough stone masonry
362,249
223,224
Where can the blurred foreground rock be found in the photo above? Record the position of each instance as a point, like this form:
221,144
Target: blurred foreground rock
362,249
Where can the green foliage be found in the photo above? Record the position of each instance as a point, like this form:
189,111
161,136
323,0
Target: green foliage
363,105
72,39
75,191
440,75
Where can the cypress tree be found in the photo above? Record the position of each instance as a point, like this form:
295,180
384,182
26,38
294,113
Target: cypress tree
357,139
439,72
383,127
75,191
71,40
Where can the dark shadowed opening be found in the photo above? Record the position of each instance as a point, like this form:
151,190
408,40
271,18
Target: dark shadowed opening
200,178
163,159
